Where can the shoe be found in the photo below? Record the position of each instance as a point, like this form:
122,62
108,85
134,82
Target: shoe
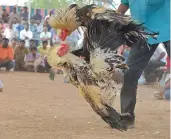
129,120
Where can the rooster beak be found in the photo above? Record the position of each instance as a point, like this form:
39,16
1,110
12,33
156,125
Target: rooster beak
63,33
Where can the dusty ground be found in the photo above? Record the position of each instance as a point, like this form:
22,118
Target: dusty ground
33,107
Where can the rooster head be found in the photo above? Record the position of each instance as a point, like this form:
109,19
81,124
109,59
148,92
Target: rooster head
63,48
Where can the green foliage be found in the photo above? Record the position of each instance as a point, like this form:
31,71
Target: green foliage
54,4
50,4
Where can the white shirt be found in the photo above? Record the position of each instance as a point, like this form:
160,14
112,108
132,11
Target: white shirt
39,28
24,34
160,49
10,34
45,36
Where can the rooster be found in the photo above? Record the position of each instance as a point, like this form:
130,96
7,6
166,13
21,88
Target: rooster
105,31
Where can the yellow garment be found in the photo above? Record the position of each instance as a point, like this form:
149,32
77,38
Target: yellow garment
43,52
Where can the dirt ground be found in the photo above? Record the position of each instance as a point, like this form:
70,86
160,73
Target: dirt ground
33,107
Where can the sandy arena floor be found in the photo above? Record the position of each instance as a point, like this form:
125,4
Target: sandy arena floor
33,107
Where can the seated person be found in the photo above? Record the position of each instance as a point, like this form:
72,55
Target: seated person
165,93
32,43
34,62
14,43
19,54
45,35
0,38
153,71
43,50
6,55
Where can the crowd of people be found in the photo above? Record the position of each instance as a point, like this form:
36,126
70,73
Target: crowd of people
24,42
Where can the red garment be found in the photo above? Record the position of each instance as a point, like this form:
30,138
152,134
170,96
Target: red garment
168,63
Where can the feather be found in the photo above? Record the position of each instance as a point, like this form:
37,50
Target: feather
64,19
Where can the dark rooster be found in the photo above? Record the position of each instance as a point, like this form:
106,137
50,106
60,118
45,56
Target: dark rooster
106,30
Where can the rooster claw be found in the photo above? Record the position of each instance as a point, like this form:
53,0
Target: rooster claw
122,66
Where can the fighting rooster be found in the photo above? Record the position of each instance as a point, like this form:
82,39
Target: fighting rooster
105,31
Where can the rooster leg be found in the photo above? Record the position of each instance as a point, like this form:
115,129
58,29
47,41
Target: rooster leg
114,119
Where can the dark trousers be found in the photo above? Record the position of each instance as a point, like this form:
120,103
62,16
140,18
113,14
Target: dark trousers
19,66
39,68
8,65
47,66
138,59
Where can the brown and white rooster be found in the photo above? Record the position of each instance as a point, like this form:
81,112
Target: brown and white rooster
106,30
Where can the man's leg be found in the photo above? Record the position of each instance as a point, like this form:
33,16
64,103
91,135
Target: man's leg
138,59
47,66
8,65
17,66
40,69
29,68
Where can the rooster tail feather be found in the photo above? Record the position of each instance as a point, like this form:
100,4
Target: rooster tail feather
134,32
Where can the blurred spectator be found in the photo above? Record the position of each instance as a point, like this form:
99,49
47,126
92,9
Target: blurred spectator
39,31
160,54
39,26
73,39
49,15
45,35
33,29
19,54
14,23
14,42
165,93
44,50
24,14
26,35
13,15
9,33
0,39
34,61
32,43
54,37
47,25
1,26
5,16
37,16
5,25
20,27
6,55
